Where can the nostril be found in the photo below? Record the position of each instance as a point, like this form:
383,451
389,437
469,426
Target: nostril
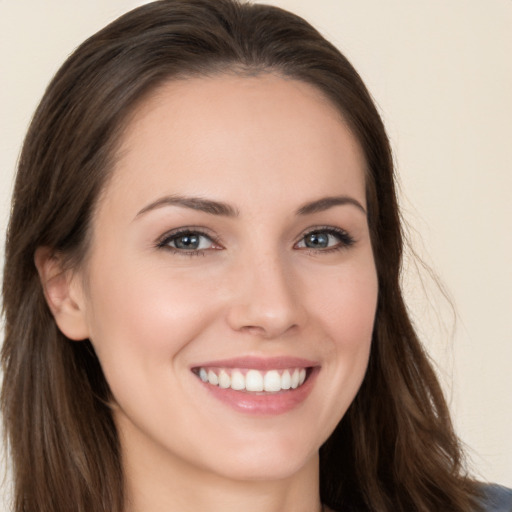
267,332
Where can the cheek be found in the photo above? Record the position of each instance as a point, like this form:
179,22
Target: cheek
348,304
344,308
145,313
348,316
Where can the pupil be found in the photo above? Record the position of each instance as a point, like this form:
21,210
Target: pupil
187,242
316,240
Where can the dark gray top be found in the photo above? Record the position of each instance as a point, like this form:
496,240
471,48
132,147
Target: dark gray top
497,498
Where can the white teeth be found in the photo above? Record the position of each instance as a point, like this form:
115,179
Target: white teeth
295,379
286,380
254,381
237,381
270,381
224,379
212,378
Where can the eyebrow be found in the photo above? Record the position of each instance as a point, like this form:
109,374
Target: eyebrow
223,209
194,203
325,203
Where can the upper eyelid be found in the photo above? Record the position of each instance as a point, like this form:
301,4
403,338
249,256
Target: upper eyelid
175,233
320,229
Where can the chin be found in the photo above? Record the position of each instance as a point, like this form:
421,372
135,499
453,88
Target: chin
268,460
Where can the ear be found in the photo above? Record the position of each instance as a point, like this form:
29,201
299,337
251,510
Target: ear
63,292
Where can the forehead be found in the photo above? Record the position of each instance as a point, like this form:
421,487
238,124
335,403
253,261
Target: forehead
204,135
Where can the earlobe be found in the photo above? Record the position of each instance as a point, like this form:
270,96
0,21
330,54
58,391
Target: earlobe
63,293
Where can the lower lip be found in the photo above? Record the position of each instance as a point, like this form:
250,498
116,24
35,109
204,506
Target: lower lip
263,403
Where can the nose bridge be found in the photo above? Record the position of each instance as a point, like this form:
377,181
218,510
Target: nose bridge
265,299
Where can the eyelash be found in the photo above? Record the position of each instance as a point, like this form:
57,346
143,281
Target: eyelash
345,240
165,240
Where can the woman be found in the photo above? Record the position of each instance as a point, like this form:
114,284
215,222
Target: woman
201,285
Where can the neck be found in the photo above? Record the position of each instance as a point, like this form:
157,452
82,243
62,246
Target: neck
159,483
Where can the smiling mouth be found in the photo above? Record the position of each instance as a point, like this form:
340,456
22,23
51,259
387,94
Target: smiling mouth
254,381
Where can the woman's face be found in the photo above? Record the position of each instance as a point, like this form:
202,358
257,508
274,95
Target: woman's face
231,250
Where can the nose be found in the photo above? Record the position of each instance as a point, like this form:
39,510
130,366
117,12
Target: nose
266,299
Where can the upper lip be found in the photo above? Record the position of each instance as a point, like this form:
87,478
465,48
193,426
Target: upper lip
260,363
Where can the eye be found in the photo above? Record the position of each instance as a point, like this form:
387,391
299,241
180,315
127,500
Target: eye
187,241
325,239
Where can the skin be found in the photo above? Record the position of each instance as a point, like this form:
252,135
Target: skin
265,146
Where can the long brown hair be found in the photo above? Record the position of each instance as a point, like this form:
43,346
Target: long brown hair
394,450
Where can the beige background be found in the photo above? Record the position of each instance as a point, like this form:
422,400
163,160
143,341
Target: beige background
441,73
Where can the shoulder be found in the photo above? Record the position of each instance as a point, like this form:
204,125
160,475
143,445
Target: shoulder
493,498
496,498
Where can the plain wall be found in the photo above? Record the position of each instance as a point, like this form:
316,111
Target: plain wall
441,74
